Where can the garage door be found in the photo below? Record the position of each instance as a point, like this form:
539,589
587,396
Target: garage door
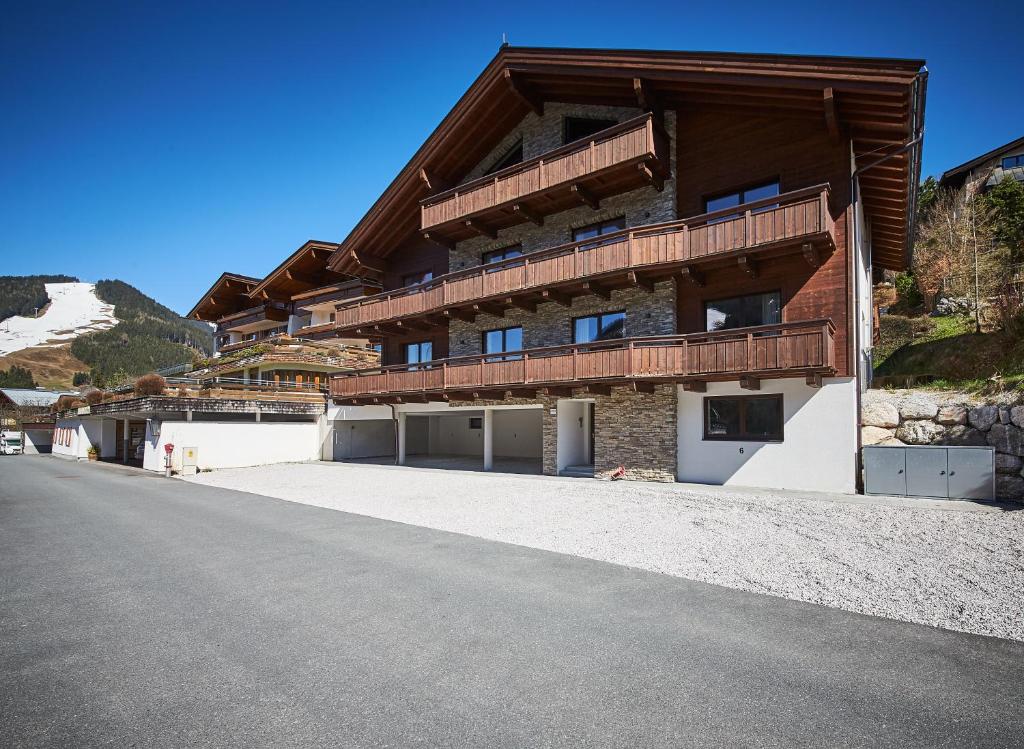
364,439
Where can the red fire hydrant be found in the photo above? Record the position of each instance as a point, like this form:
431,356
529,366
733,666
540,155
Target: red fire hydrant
168,450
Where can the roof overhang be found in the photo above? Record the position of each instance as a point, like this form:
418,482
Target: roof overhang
871,101
228,295
304,269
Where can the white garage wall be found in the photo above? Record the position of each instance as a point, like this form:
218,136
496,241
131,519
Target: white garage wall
234,444
572,437
817,452
363,439
454,437
75,436
38,441
518,434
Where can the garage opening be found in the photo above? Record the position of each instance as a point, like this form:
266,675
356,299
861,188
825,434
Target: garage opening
361,440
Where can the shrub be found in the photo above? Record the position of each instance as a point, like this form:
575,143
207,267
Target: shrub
93,396
906,289
151,384
80,378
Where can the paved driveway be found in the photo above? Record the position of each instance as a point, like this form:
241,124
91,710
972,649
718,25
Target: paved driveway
142,611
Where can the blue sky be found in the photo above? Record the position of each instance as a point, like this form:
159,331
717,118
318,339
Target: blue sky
161,143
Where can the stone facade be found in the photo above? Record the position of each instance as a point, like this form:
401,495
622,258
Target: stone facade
171,404
906,417
638,432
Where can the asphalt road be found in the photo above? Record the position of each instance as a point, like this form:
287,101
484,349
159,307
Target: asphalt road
141,611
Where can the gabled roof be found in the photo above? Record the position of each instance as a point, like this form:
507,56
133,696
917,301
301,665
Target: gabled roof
878,102
228,294
978,161
304,269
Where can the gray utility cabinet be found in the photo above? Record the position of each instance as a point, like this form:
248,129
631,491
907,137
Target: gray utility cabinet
930,471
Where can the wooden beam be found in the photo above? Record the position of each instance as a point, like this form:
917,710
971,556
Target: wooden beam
457,396
692,275
528,393
558,392
831,120
747,265
810,253
550,295
368,261
527,305
585,196
640,281
595,288
528,213
413,324
298,277
654,177
489,308
411,399
433,184
641,387
436,238
814,380
646,98
222,301
695,386
525,92
599,389
459,314
749,382
481,228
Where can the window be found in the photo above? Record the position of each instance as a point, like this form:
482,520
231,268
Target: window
417,278
597,230
740,197
418,353
331,317
476,422
502,341
743,311
505,253
577,128
608,326
756,418
1011,161
514,155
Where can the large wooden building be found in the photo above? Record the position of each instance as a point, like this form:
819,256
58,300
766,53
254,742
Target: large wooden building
649,264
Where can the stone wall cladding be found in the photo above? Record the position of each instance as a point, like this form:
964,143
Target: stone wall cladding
637,431
909,417
163,404
646,314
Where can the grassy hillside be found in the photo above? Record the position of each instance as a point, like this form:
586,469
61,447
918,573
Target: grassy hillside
20,295
52,367
147,336
949,349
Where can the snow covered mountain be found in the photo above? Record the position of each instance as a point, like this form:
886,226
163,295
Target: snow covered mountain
74,310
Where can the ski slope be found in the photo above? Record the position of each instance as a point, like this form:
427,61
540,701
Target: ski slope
74,310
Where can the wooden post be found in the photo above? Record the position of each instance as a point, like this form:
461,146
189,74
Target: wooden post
750,352
540,174
630,260
526,368
748,228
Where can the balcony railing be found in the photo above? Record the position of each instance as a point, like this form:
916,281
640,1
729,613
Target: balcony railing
796,217
621,147
262,313
785,350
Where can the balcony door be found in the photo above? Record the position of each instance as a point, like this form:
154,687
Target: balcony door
743,311
416,354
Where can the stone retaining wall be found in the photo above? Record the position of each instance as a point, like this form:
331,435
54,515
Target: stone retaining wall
916,417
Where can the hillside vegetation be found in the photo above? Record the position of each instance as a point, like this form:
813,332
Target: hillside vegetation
20,295
147,336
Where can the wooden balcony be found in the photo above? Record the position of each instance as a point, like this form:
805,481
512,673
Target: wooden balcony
798,349
796,221
620,158
254,318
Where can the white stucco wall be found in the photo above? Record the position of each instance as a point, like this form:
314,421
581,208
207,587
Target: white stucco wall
817,452
37,441
234,444
74,441
571,434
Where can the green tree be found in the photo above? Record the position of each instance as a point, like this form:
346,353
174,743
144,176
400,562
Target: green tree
927,193
1006,201
16,377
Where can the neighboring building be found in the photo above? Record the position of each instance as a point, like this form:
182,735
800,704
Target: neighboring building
28,410
651,260
989,169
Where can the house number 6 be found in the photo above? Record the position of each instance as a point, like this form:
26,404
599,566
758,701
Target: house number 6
741,451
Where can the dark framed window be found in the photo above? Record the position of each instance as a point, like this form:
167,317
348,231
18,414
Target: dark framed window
418,353
739,197
604,327
597,230
743,311
577,128
514,155
1010,162
505,253
412,279
502,341
747,418
332,317
476,422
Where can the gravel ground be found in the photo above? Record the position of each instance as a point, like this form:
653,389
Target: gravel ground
925,563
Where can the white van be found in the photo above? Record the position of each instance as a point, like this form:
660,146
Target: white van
10,443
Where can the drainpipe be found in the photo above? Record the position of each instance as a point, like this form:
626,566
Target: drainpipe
394,422
919,87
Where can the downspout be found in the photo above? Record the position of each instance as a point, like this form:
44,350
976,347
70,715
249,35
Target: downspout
919,86
394,423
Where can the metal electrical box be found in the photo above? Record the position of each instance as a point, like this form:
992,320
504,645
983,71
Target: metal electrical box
930,471
189,460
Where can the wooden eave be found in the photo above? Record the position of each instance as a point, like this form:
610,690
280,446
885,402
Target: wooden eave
304,269
871,101
228,294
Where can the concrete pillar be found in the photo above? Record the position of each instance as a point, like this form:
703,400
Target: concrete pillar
401,438
488,439
126,441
